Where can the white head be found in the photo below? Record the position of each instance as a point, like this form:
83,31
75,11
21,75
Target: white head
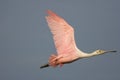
99,52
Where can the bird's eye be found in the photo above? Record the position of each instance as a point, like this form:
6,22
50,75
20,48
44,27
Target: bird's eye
99,51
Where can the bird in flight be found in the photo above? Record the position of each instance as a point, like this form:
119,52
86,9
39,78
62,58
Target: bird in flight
63,36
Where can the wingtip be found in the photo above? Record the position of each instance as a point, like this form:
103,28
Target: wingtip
51,13
48,11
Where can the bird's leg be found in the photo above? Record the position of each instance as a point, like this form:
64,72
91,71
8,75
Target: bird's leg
53,60
61,64
52,57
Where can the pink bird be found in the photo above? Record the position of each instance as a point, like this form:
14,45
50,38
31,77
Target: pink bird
63,36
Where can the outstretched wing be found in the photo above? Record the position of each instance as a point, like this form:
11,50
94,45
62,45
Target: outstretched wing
63,33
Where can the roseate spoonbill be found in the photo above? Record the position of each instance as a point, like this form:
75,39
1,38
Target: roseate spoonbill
63,36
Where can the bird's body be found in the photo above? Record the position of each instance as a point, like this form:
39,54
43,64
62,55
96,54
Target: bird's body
63,36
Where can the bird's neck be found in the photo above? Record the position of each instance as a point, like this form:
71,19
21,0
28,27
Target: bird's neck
86,55
91,54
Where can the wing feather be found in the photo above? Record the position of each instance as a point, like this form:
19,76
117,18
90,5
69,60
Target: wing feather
63,33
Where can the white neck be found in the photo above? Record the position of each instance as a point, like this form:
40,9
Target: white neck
90,54
86,55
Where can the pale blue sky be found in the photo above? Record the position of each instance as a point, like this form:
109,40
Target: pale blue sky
26,41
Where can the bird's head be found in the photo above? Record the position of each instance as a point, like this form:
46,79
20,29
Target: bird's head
98,52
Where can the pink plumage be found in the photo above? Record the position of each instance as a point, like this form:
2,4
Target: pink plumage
63,36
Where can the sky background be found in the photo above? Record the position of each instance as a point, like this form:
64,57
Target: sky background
26,41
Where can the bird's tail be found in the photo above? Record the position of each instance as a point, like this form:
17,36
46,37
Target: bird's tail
44,66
